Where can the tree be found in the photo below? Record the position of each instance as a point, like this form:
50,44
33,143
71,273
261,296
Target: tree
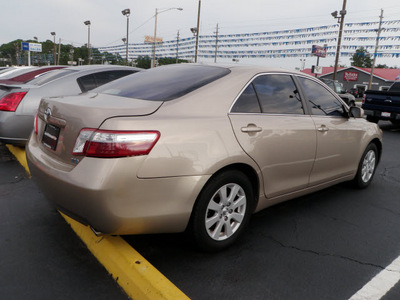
361,58
380,66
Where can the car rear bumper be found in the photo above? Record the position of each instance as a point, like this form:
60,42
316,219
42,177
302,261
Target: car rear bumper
15,129
107,194
382,115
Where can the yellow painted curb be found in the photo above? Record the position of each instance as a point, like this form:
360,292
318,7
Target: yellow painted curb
20,154
137,277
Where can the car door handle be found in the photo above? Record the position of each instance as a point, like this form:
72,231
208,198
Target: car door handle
323,128
251,128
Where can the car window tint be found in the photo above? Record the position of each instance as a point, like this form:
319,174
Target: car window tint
278,94
322,101
164,83
87,83
107,76
247,102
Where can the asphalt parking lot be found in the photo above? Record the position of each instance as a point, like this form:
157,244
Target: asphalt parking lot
327,245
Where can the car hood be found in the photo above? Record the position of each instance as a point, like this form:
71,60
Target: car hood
90,110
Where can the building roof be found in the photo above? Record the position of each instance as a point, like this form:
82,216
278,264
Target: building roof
385,74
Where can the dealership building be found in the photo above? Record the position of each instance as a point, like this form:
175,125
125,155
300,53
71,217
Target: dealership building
358,78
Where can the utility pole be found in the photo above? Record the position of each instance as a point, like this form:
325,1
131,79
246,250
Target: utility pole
376,50
198,31
342,14
177,47
216,44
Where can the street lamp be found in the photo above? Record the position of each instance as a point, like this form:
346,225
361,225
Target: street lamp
87,23
127,12
341,21
155,31
54,35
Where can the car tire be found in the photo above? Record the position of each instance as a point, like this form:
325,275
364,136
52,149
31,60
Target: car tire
222,211
372,119
366,167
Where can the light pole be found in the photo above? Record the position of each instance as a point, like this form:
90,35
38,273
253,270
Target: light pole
341,21
126,12
155,31
54,35
194,31
88,45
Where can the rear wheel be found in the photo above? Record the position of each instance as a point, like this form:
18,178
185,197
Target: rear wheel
222,211
366,167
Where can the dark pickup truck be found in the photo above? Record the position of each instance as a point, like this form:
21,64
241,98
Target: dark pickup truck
383,105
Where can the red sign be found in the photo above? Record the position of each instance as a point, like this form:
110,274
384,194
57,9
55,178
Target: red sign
350,76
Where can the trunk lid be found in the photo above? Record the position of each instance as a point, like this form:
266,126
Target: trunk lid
60,119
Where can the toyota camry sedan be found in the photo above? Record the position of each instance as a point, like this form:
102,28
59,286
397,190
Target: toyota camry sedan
196,148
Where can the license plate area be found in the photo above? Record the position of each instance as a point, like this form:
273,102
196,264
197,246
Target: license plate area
385,114
50,136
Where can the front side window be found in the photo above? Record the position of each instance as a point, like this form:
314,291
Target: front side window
322,102
278,94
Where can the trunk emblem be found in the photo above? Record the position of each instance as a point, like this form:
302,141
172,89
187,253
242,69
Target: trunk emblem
47,114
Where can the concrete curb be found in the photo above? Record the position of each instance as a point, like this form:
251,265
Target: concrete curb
137,277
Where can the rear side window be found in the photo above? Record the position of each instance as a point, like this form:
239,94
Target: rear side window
164,83
273,94
278,94
92,81
322,102
87,83
247,102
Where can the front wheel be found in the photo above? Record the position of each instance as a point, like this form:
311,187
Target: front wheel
366,167
222,210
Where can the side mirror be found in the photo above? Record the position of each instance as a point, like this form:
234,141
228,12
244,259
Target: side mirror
356,112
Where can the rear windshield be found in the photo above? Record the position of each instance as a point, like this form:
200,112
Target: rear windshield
50,76
164,83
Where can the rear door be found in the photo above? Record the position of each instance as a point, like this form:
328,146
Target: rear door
271,126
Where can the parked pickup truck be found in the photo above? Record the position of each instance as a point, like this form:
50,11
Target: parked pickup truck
383,105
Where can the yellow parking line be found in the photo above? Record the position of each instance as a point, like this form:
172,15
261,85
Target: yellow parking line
19,153
137,277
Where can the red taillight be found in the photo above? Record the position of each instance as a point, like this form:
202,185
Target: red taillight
11,101
108,143
363,100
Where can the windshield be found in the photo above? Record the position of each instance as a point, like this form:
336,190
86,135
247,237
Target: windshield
50,76
164,83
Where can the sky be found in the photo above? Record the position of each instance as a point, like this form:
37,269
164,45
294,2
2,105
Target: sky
25,19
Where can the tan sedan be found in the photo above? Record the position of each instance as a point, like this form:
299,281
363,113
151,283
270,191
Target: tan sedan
196,147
